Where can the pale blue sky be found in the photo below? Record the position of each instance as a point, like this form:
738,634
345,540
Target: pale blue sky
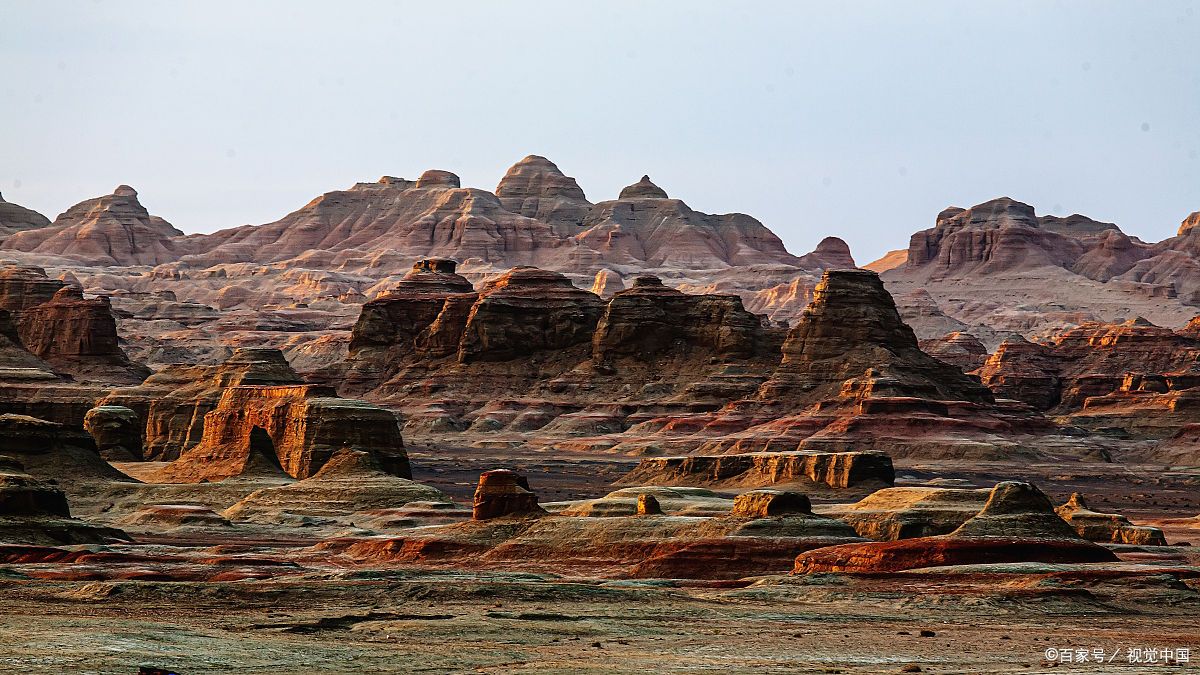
860,120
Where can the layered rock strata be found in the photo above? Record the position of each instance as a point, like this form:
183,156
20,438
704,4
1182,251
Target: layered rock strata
172,403
1107,528
293,429
1016,524
838,470
34,512
503,492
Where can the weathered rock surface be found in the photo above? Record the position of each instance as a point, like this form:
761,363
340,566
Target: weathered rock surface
535,188
58,325
502,492
770,503
78,335
174,401
998,266
16,218
55,452
852,330
349,483
1133,376
528,310
675,501
1016,524
838,470
908,512
117,431
1106,528
958,349
1016,509
110,230
649,319
34,512
295,429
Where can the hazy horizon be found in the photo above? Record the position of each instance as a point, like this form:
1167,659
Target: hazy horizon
860,121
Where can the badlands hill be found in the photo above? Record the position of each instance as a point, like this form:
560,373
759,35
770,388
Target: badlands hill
999,268
988,272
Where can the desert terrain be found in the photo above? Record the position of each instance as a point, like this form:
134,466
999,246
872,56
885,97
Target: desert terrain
419,427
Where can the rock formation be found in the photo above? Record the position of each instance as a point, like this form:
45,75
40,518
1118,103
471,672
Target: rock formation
1016,508
174,401
78,335
1106,527
852,330
647,505
422,317
528,310
830,253
531,333
117,431
958,349
55,452
1016,524
15,218
57,324
110,230
909,512
350,483
999,266
294,429
649,319
535,188
503,492
769,504
837,470
1133,375
35,512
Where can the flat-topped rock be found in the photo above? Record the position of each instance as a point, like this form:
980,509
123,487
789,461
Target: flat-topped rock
770,503
503,492
837,470
290,429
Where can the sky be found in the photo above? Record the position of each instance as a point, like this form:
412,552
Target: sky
855,119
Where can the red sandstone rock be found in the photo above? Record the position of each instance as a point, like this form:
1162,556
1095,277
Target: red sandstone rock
173,402
958,349
770,503
908,512
1116,373
649,318
293,428
35,512
852,329
534,187
906,554
502,492
528,310
839,470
